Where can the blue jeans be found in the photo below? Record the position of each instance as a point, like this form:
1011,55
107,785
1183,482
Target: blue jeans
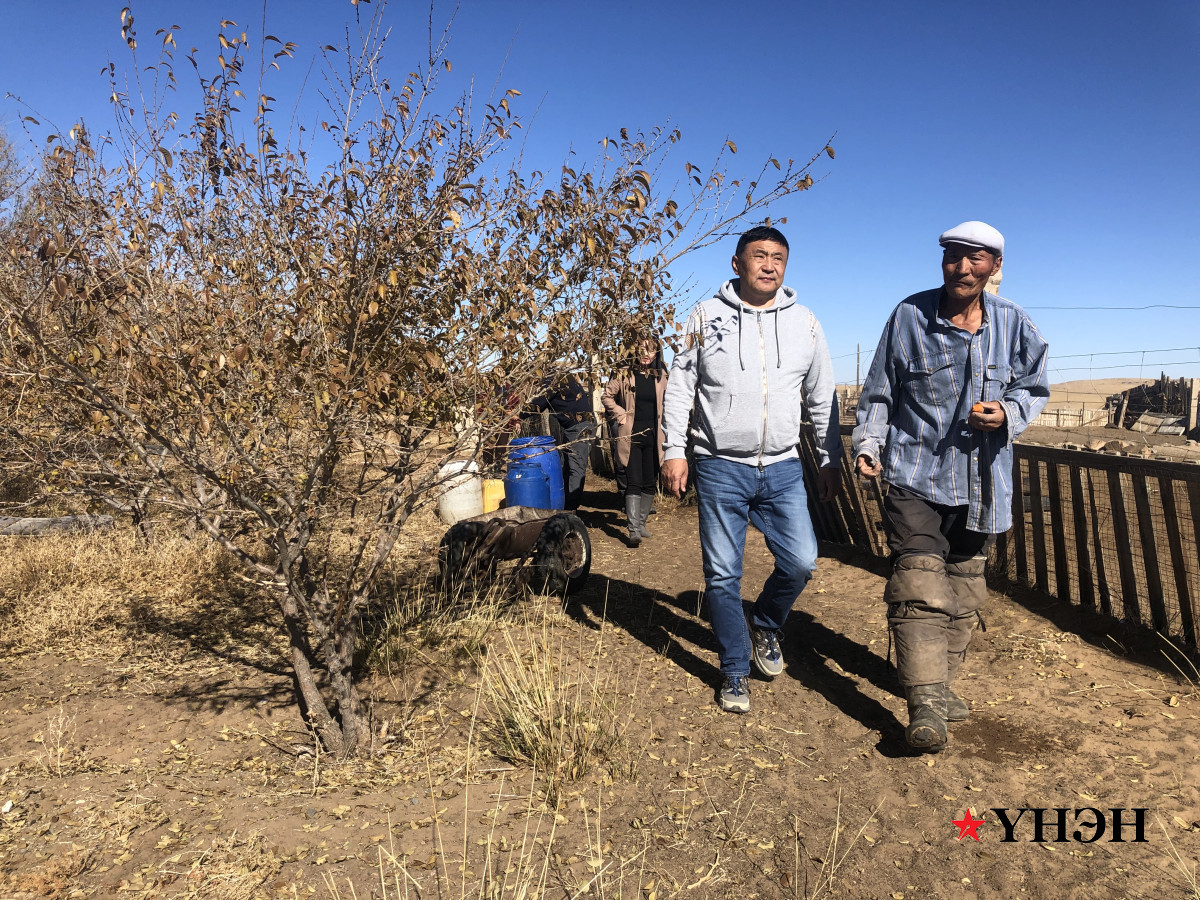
774,499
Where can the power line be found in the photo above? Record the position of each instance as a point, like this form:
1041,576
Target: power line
1121,352
1115,308
1137,365
1054,355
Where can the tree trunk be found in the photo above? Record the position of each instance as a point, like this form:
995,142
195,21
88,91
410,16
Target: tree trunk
339,657
312,704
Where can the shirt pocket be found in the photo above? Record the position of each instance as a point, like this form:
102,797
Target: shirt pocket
996,379
931,380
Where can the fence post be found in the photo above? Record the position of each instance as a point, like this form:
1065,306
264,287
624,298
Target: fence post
1039,525
1166,492
1018,517
1101,574
1154,591
1087,589
1062,575
1116,500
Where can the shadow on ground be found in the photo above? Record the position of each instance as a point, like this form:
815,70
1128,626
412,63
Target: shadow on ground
816,656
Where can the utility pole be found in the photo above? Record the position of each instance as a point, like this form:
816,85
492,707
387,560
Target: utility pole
858,369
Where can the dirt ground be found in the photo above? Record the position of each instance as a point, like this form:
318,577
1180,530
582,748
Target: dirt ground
1171,447
186,772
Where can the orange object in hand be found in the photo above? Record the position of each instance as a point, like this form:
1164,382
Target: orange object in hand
978,408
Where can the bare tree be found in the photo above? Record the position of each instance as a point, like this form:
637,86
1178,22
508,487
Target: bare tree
285,339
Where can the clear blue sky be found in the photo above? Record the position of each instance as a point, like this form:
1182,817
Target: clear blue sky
1071,127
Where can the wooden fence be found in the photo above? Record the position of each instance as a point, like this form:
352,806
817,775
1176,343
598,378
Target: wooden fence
1113,534
1071,418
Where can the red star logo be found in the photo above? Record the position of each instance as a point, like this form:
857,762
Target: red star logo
968,825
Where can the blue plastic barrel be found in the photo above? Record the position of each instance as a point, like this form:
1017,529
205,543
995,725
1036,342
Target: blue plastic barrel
526,485
542,451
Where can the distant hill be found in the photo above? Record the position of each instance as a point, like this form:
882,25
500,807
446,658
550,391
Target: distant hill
1091,393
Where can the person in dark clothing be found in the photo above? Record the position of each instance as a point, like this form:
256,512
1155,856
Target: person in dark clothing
633,400
571,405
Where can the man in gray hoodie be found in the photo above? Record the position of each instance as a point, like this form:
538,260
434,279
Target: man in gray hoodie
752,359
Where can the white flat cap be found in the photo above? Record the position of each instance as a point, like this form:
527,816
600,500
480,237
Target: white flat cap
974,234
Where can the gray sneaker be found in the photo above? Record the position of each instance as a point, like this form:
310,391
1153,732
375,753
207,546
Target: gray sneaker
735,694
765,652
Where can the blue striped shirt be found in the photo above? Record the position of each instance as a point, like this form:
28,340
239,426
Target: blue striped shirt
923,380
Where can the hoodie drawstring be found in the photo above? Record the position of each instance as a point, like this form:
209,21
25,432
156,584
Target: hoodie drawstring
778,357
778,353
740,361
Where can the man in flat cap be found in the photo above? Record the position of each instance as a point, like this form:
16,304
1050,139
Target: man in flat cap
958,374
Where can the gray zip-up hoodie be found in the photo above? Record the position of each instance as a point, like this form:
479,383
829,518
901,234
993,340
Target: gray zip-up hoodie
749,373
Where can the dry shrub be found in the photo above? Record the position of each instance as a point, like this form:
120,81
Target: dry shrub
70,590
59,752
550,695
553,699
526,866
420,624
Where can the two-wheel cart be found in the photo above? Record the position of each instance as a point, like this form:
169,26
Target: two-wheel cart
552,547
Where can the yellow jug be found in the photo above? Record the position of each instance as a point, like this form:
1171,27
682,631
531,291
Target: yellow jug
493,494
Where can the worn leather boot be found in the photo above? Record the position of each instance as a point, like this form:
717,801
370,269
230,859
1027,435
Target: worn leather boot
926,717
920,607
956,707
968,584
957,638
633,504
645,501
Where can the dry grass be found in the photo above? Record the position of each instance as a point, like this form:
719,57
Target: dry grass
546,693
1189,674
230,868
419,625
547,696
83,591
1046,649
525,868
554,700
1186,869
833,858
58,752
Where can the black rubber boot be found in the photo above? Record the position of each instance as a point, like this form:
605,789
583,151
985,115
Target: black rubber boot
926,717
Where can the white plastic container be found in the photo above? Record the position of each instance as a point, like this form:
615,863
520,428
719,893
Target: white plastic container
461,492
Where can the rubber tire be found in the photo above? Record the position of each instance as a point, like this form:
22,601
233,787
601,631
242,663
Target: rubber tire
563,532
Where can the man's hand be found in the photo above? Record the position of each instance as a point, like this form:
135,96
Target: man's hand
867,467
829,482
675,476
987,416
